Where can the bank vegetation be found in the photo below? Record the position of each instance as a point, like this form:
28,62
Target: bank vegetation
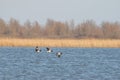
59,34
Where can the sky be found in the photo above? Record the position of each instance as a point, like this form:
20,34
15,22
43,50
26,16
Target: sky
60,10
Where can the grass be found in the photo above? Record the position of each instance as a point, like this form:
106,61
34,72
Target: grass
114,43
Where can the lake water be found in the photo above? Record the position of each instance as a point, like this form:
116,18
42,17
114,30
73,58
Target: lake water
23,63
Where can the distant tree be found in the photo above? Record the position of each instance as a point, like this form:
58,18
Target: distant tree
87,29
57,29
2,27
48,30
28,29
71,26
13,28
111,30
36,30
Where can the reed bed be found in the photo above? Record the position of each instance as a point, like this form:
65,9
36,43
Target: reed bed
105,43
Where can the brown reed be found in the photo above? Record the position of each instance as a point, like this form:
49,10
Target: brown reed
110,43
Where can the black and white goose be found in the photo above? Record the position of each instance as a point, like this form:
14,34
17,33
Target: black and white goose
37,49
58,54
49,50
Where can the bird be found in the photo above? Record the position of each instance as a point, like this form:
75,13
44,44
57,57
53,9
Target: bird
58,54
37,49
49,50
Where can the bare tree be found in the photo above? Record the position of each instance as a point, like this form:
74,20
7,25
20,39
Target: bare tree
3,27
36,30
57,29
111,30
13,27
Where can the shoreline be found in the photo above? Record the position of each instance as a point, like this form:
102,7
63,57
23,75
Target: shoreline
82,43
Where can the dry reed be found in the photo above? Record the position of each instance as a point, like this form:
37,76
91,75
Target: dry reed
61,42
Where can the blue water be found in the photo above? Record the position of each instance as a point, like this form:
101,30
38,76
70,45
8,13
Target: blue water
22,63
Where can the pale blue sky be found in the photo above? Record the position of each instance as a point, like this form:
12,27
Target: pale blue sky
60,10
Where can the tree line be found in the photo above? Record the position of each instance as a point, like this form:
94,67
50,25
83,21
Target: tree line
57,29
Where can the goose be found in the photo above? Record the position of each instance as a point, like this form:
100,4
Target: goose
37,49
49,50
58,54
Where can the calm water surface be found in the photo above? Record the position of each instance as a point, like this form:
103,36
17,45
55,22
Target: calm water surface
22,63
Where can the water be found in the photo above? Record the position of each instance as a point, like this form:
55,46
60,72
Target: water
22,63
